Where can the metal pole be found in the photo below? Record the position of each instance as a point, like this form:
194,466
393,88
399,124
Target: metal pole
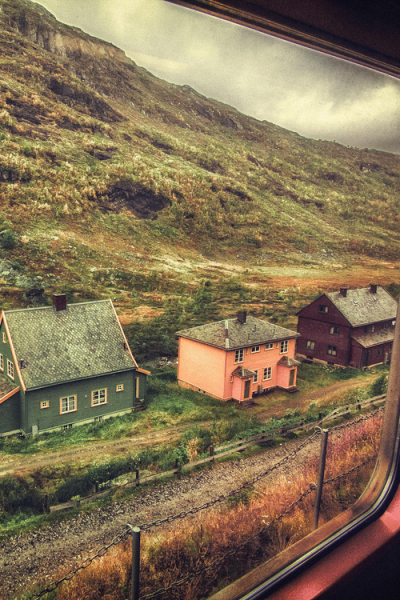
135,583
321,471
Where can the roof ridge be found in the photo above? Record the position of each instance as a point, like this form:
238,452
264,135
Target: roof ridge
14,310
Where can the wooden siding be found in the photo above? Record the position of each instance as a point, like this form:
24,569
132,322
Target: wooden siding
48,418
10,417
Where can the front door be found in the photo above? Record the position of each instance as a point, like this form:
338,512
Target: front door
366,359
291,378
247,389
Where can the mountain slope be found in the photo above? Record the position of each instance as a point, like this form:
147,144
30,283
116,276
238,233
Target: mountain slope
98,156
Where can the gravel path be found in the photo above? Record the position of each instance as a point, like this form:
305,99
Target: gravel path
43,554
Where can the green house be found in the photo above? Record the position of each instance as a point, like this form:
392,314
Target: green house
63,365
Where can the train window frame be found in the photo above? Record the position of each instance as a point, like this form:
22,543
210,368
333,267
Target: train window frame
274,574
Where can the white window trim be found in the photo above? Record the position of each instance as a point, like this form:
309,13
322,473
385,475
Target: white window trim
284,347
269,346
98,398
255,349
255,376
239,356
1,362
69,410
269,373
310,347
4,338
10,369
332,350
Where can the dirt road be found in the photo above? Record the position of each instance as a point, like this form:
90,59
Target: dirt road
90,451
50,552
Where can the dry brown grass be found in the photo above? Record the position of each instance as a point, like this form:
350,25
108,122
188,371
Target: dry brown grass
193,545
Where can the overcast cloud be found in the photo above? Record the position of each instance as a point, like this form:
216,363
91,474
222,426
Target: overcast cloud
305,91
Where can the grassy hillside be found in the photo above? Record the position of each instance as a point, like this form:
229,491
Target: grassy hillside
114,183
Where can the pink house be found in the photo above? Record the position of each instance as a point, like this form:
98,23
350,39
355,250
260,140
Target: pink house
237,358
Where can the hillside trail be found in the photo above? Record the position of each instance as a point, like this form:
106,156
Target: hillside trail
90,451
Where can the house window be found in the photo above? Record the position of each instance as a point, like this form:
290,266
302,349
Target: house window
310,345
4,338
267,373
255,376
332,350
239,356
99,397
380,351
284,346
10,369
334,330
119,387
323,308
68,404
269,346
255,349
69,426
1,362
45,404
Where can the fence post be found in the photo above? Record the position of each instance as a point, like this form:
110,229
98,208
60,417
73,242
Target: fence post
241,444
321,471
137,481
96,487
212,452
47,503
135,582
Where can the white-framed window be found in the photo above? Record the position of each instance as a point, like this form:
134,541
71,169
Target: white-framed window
99,397
310,345
239,355
334,330
323,308
255,376
4,338
10,369
267,373
68,404
284,346
1,362
255,349
119,387
269,346
45,404
332,350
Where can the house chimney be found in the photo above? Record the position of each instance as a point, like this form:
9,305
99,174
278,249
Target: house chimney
241,316
373,288
343,292
227,334
59,302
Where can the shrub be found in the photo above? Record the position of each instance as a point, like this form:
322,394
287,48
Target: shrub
8,239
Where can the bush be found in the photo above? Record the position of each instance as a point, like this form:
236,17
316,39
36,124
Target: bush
8,239
16,494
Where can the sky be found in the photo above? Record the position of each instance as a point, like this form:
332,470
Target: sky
308,92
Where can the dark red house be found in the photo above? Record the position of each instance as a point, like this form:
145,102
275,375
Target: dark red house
349,327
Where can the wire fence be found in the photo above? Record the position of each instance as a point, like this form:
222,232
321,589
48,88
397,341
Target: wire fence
171,518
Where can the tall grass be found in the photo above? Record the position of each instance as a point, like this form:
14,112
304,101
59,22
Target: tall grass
203,541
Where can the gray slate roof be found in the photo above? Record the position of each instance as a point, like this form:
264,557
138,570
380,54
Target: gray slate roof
58,346
367,340
240,335
287,361
361,307
243,373
6,387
